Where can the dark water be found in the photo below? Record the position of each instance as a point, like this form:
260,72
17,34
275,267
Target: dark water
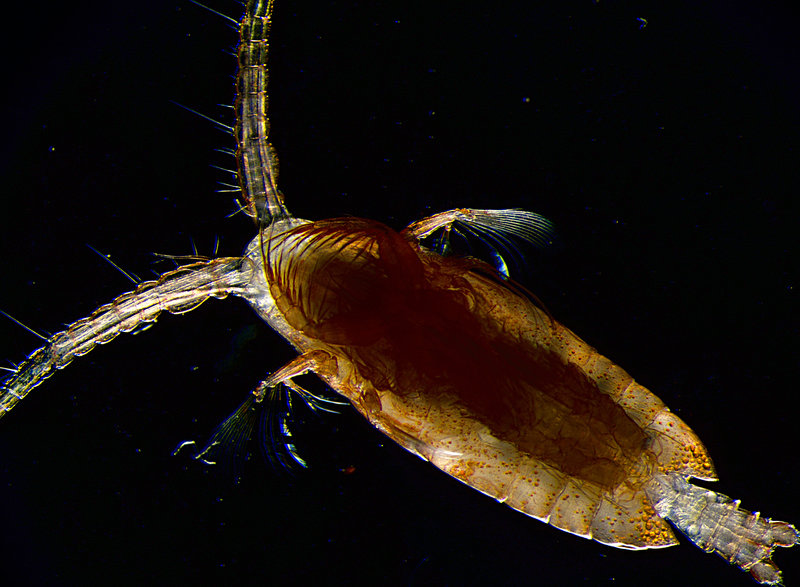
666,156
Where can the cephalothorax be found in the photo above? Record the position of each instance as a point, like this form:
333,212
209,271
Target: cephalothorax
446,356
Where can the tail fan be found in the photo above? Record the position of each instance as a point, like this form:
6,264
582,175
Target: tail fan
715,523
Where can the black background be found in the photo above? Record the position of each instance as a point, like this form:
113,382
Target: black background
666,155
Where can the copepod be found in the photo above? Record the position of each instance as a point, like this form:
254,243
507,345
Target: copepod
445,356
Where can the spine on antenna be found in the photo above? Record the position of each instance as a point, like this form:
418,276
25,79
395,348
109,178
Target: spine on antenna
255,156
715,523
175,292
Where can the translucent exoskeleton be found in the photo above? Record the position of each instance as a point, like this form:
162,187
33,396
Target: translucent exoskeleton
355,244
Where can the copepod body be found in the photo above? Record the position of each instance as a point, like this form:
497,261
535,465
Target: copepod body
460,366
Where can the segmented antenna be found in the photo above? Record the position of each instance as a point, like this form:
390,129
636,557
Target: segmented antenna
256,158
